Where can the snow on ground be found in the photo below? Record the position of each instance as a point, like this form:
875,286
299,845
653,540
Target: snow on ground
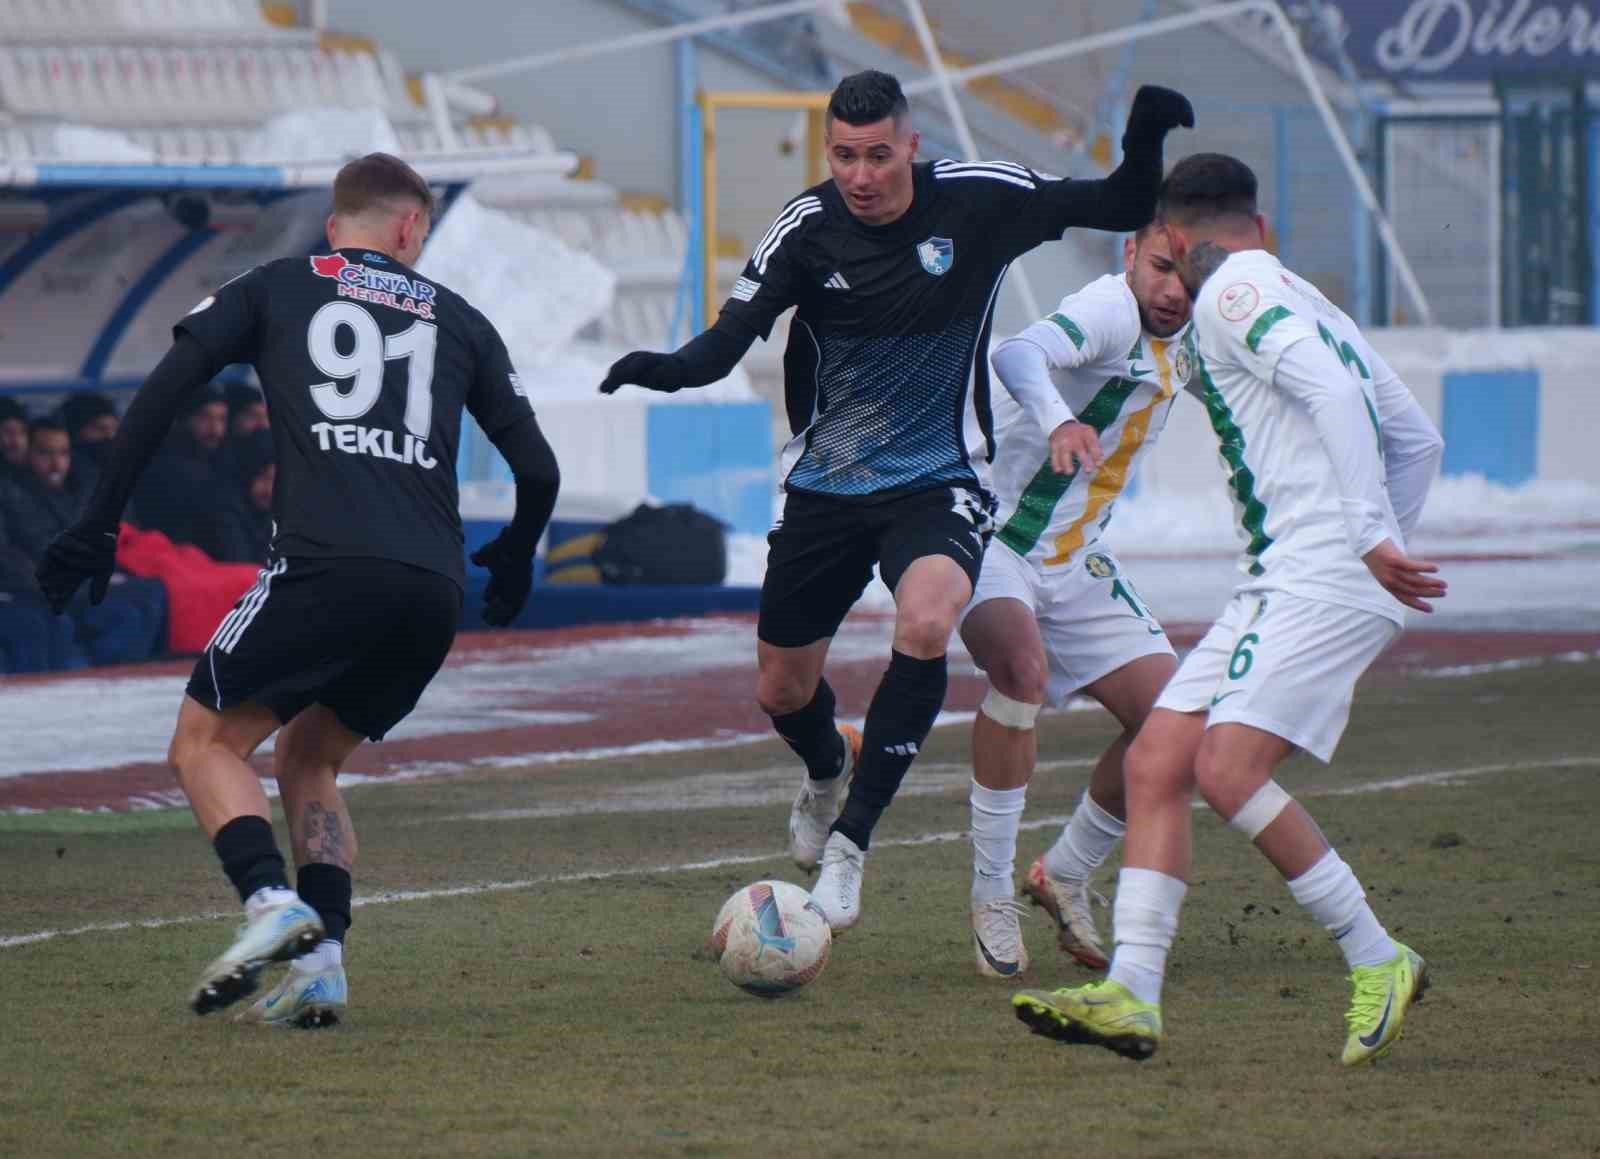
1525,558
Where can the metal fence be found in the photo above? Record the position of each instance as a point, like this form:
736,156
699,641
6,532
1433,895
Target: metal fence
1440,181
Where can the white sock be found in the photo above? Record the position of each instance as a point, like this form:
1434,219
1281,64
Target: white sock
1085,843
1330,893
996,815
328,954
1145,918
265,896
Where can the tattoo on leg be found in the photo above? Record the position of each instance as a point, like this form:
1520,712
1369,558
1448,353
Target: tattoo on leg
325,836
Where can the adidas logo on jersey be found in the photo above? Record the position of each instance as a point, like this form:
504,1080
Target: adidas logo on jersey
837,282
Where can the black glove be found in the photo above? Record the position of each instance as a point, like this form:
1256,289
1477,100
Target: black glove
510,578
647,369
1157,110
77,554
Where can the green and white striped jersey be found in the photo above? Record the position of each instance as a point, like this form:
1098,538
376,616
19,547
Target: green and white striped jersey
1114,377
1295,394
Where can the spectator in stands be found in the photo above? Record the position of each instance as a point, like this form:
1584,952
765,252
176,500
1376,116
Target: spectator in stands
247,410
90,418
241,528
13,440
46,501
31,639
181,489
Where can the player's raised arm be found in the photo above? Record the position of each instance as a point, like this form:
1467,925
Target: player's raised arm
1044,208
217,332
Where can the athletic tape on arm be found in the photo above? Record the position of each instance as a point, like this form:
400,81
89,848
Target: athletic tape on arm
1001,709
1260,810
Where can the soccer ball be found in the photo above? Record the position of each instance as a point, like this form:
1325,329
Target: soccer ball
771,938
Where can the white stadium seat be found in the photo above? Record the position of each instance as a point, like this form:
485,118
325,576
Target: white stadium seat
192,80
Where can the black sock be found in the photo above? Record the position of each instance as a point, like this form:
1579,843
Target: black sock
249,855
898,722
326,889
813,735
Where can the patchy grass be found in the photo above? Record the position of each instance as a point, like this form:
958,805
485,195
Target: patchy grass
580,1015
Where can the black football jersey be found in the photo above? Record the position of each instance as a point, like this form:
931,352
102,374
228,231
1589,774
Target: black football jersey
886,371
366,366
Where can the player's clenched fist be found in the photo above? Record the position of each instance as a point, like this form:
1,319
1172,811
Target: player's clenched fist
1157,110
644,368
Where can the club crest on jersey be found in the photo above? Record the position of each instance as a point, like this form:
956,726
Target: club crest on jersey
380,287
937,254
1100,566
1182,363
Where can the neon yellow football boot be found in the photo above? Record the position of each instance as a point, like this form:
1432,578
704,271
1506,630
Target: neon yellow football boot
1103,1013
1378,1006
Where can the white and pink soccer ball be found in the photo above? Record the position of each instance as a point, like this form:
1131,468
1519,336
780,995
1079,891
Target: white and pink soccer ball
770,938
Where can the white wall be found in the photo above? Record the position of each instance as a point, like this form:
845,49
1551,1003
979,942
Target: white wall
1567,361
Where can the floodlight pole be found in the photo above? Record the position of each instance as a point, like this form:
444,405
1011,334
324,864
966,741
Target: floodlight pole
948,78
969,144
1302,63
663,35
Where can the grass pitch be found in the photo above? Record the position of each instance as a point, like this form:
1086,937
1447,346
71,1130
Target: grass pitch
577,1014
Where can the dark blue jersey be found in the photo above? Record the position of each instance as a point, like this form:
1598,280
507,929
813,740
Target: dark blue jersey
886,372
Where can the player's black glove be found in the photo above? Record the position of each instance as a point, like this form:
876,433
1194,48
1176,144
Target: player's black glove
77,554
510,578
645,368
1157,110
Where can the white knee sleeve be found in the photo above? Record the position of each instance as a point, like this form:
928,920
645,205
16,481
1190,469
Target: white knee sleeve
1260,810
1001,709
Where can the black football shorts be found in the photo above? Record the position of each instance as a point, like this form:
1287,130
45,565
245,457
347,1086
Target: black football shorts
361,636
821,553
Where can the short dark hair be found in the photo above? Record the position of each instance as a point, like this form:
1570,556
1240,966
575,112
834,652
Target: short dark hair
864,98
375,179
11,410
242,396
1206,186
49,422
83,408
204,397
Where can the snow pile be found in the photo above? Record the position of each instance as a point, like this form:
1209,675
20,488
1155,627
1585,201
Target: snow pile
322,134
538,291
100,146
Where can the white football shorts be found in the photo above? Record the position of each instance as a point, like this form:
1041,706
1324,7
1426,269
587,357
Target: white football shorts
1284,664
1091,618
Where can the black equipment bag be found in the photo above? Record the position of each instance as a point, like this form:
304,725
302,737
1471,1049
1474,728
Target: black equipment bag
674,544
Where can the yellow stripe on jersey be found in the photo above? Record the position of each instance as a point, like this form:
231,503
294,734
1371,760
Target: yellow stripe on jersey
1112,476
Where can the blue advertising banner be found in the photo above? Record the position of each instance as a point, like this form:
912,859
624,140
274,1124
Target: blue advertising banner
1468,40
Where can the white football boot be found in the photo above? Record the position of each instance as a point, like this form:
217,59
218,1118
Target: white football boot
276,928
1068,904
817,806
838,888
997,938
308,997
